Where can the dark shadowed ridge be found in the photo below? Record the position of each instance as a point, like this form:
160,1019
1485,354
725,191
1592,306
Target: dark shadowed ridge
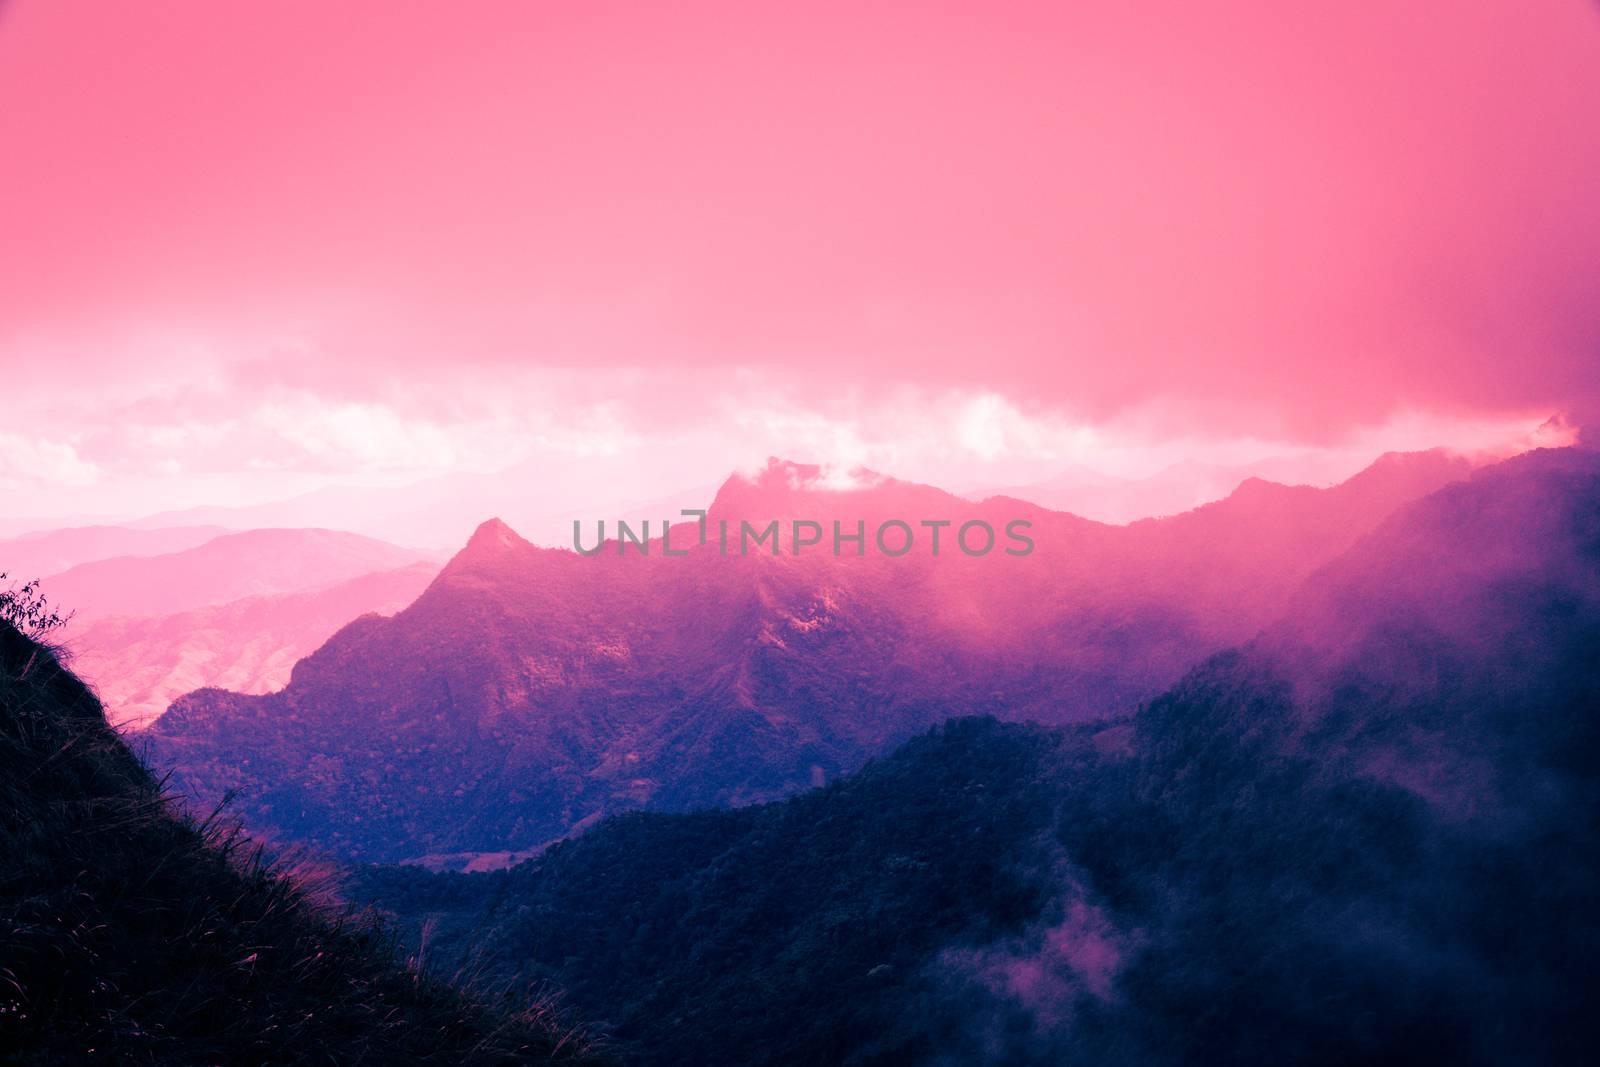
130,935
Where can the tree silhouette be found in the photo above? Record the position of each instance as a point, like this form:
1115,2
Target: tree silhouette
26,608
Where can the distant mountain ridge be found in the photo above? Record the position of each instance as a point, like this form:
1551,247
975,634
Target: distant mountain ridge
160,612
139,664
50,552
530,691
438,512
1175,489
223,568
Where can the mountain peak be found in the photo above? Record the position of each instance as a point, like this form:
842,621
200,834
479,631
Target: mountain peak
492,538
784,488
491,545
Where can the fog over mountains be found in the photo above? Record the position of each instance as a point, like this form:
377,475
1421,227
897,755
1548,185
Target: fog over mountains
1180,487
1307,775
725,534
529,692
1366,835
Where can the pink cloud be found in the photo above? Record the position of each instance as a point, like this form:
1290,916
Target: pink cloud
368,242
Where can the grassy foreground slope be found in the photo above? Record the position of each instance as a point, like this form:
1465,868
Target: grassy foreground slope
130,935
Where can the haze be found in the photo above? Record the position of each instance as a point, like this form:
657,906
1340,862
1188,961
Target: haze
253,251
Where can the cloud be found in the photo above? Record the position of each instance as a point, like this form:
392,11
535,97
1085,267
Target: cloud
29,462
1289,226
1046,970
1022,999
181,428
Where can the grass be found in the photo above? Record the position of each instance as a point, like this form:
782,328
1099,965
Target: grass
129,933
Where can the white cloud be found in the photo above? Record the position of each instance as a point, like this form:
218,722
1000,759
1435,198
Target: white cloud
30,462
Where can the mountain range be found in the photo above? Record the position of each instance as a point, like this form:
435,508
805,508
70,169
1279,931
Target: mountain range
529,692
1364,835
1356,825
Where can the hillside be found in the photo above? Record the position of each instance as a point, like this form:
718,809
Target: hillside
130,935
793,932
1366,836
530,691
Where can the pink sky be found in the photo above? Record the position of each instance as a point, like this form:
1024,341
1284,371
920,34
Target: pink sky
252,249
